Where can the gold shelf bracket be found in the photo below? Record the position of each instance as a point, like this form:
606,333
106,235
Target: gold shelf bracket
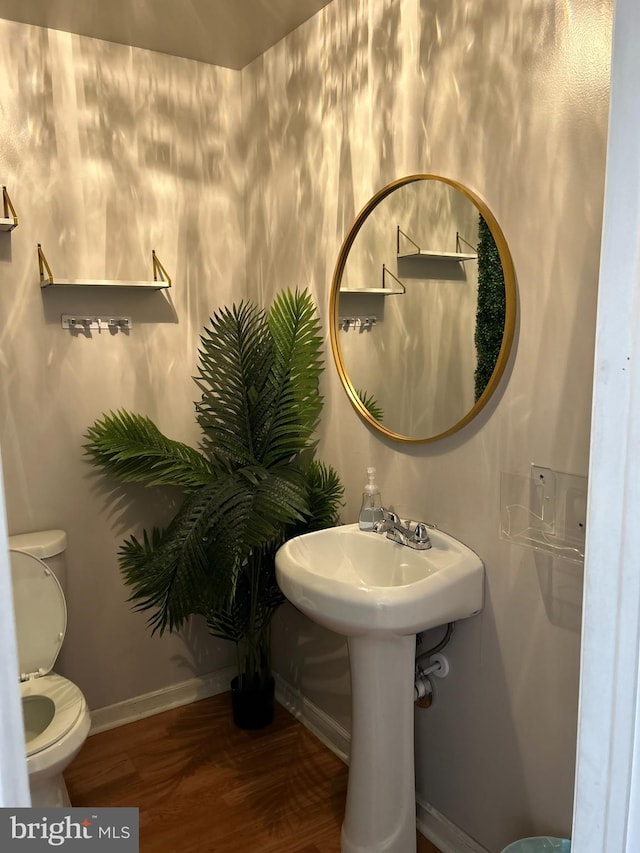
385,272
460,241
158,269
401,233
8,208
43,265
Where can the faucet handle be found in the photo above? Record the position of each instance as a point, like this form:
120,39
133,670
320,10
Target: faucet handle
421,534
388,521
412,525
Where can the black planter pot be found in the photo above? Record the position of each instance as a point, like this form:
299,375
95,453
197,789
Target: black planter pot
252,703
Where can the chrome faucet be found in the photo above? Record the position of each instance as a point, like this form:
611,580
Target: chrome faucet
412,534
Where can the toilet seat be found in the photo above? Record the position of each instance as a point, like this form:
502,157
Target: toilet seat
41,622
41,614
69,704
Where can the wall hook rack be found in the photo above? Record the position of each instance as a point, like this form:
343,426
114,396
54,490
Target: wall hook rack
161,280
9,218
81,324
363,324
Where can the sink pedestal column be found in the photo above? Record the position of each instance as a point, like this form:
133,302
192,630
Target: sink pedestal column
380,815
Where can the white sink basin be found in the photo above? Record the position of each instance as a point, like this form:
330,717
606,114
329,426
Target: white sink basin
356,582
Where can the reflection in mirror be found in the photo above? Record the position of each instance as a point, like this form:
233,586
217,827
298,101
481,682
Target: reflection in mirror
423,308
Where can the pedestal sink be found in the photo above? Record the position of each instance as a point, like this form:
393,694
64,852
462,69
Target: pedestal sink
379,594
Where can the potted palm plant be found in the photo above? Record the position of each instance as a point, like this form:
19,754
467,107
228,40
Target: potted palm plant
253,484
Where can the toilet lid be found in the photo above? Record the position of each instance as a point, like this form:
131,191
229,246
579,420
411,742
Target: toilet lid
40,611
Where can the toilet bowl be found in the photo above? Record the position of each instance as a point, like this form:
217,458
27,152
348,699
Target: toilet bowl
55,713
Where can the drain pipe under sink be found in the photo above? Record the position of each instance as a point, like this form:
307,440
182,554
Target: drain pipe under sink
423,688
439,666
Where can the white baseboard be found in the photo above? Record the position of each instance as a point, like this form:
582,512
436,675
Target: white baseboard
324,727
447,837
164,699
434,826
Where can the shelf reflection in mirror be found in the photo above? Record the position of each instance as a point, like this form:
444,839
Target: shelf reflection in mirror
441,344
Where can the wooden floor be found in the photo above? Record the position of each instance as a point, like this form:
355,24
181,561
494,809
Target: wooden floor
203,785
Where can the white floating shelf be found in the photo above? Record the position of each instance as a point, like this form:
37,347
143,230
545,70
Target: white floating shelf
380,291
439,256
161,280
419,252
123,285
7,224
397,288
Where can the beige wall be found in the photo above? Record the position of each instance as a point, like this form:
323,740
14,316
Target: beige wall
109,153
511,100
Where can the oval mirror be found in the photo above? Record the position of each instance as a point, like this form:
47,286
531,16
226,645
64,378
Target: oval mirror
423,308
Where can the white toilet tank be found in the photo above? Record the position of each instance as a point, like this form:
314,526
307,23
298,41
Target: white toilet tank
49,546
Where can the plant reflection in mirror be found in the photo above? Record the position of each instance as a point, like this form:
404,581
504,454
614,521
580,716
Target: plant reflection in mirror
371,405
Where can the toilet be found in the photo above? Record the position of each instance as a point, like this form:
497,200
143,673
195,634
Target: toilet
55,713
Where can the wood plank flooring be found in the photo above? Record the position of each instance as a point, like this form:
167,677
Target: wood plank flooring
203,785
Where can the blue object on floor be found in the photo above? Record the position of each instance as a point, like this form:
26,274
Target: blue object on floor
543,844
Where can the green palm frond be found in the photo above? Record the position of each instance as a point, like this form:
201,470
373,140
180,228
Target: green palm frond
294,395
196,559
246,615
213,534
259,378
253,509
235,357
132,449
152,568
246,619
371,405
325,494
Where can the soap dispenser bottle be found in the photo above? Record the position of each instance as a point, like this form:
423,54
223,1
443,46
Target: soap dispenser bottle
371,509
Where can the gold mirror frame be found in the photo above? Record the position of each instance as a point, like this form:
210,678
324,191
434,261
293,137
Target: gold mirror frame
510,307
